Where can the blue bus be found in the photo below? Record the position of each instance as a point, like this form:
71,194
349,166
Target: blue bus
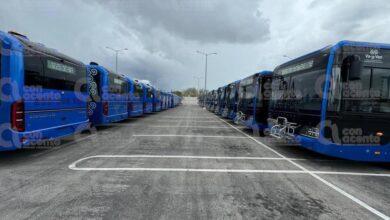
253,101
108,94
231,98
156,100
135,102
217,100
176,100
165,99
221,100
43,93
148,98
170,100
335,101
210,100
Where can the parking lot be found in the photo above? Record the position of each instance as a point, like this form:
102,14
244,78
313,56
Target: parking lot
187,163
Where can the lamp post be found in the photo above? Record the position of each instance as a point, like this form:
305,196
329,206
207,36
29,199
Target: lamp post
205,68
117,51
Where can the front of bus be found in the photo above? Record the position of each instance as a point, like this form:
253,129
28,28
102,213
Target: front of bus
233,99
227,100
222,101
246,102
357,120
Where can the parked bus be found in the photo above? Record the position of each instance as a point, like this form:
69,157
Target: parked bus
336,101
156,100
148,98
170,98
176,100
210,100
108,95
164,101
43,93
214,100
222,100
253,101
135,103
231,98
218,100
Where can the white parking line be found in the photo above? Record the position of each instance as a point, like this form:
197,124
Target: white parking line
192,121
173,126
173,117
73,166
314,174
188,136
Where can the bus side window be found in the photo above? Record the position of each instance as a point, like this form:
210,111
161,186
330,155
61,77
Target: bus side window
33,69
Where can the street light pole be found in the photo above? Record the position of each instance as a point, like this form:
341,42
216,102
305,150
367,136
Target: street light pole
117,51
205,68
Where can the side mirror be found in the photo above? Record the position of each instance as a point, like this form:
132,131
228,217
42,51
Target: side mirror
351,68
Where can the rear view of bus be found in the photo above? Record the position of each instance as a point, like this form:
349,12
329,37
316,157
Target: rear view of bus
148,98
253,101
43,94
336,101
108,95
164,104
170,101
135,104
156,100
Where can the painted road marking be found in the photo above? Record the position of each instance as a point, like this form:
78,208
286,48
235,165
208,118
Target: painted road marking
173,117
173,126
193,121
188,136
73,166
313,174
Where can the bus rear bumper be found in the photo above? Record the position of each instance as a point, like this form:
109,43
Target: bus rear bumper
148,108
135,113
44,137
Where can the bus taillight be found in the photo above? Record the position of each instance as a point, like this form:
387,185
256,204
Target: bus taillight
105,108
17,116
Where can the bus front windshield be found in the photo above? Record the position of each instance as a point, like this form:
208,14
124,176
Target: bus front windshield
370,93
232,92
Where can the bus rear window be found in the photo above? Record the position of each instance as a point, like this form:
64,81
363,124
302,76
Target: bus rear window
49,73
137,90
149,93
117,85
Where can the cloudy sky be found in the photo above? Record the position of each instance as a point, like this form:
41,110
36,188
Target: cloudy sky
163,35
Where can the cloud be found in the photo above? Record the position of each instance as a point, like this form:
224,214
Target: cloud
203,21
162,36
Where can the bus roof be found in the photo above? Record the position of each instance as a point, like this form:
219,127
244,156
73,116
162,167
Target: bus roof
38,47
335,47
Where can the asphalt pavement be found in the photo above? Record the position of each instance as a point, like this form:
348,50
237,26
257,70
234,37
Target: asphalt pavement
186,163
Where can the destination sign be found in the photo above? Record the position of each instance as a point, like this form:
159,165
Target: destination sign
297,68
60,67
